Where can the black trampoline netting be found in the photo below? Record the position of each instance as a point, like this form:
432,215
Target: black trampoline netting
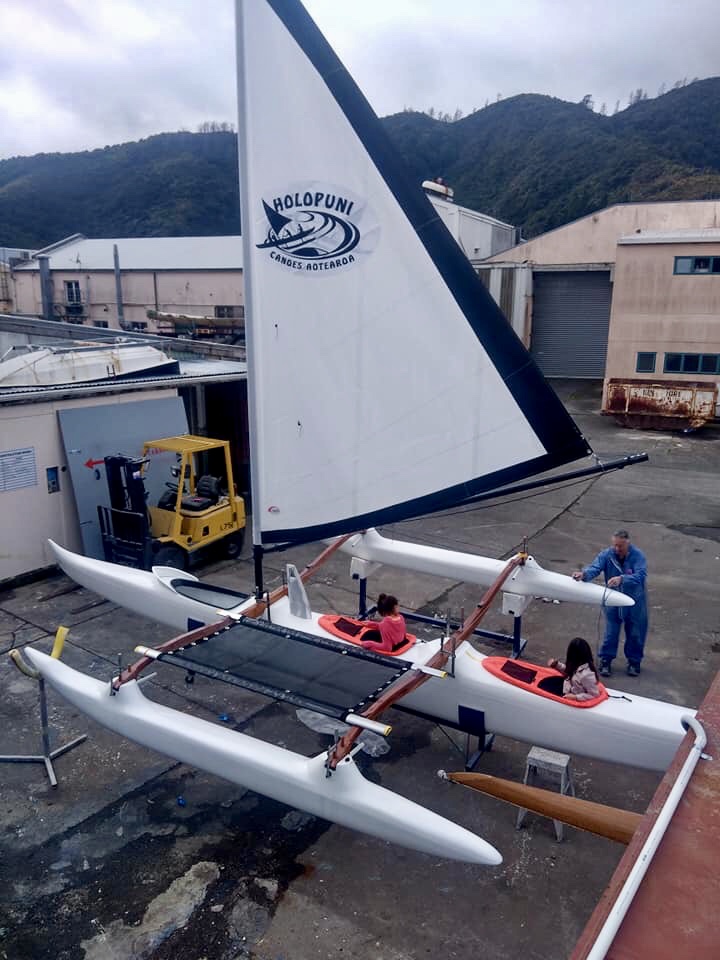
322,674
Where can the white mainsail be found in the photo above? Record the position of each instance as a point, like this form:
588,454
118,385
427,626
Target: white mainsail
384,380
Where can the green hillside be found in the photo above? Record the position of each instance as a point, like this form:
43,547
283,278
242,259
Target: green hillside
533,161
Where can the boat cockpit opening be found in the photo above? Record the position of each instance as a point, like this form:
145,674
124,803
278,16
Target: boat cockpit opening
218,597
542,681
355,631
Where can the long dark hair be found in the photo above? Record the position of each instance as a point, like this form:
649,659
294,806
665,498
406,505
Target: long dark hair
386,604
579,653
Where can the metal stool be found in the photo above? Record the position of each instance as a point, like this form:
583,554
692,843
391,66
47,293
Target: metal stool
555,764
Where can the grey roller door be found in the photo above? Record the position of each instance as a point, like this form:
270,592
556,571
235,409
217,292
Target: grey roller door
571,315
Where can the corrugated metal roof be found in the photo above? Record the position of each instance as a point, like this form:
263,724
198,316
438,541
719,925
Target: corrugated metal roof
708,235
191,372
144,253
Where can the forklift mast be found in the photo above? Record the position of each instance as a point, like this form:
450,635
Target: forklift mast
125,483
124,527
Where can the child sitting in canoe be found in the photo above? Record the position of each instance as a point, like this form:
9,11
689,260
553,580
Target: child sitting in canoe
581,677
391,627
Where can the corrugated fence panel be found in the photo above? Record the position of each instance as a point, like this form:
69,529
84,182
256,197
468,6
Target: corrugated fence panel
571,315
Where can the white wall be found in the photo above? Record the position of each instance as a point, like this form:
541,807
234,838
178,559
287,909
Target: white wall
478,235
30,514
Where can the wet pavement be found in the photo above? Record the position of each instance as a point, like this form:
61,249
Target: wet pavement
136,856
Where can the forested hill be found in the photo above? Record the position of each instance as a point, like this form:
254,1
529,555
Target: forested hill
531,160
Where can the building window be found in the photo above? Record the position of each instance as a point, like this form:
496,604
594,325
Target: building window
692,363
230,313
702,265
100,323
72,291
136,326
645,363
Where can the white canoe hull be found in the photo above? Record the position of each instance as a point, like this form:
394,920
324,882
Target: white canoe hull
631,730
346,797
530,580
141,591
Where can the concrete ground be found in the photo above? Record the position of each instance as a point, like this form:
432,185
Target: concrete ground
135,856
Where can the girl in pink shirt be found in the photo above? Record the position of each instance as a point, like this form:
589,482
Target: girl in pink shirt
391,627
581,679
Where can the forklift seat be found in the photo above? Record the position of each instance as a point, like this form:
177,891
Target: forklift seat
207,494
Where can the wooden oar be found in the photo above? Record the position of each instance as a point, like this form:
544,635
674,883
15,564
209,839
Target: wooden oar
610,822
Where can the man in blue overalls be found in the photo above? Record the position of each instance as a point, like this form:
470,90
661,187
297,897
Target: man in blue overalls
625,568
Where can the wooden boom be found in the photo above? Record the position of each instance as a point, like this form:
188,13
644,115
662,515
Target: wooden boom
610,822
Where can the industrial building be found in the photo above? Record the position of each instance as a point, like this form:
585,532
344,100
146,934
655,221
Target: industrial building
113,283
629,293
568,279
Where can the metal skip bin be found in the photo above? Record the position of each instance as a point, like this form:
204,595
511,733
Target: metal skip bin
661,404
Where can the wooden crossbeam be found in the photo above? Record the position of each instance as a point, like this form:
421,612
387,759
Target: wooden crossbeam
413,679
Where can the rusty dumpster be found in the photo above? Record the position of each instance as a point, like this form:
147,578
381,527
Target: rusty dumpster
661,404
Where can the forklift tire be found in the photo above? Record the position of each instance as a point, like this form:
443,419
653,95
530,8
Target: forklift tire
233,545
170,556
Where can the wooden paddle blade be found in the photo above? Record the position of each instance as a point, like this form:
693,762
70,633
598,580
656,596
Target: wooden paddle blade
610,822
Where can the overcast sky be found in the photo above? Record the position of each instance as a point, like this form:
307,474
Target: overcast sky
77,74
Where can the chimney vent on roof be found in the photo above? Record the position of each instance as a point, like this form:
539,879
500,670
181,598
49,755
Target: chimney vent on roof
438,188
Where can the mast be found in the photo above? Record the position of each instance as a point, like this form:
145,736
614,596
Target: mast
245,208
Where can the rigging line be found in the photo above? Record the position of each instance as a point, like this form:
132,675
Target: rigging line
461,511
557,516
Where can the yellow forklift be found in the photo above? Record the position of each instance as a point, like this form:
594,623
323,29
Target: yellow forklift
200,507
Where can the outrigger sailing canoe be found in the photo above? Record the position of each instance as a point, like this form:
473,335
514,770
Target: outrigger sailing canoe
428,401
637,731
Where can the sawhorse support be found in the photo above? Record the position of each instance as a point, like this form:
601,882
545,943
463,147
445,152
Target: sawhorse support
556,765
47,755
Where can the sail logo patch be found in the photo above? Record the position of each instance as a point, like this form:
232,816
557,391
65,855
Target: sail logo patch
315,228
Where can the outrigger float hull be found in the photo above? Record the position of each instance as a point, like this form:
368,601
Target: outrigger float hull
530,580
631,730
346,797
154,594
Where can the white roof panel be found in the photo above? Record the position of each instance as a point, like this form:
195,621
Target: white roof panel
145,253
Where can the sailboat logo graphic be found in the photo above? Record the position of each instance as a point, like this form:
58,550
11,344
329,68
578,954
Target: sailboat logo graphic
312,230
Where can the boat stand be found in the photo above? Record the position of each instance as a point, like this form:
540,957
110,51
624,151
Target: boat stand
472,724
47,756
516,639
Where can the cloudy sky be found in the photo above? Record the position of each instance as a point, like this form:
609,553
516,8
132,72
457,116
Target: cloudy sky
77,74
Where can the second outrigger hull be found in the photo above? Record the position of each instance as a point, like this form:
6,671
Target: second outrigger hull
346,797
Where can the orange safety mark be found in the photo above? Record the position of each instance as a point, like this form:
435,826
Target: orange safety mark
499,667
355,631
